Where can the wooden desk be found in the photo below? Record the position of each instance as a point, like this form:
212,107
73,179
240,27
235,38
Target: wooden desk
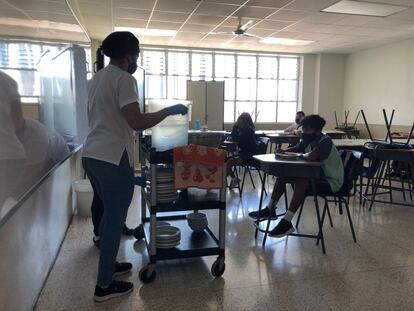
270,165
357,143
335,134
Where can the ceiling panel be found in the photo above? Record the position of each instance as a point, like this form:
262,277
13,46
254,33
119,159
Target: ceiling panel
131,13
135,4
205,19
164,25
310,5
197,27
170,16
255,12
290,15
176,5
216,9
271,24
269,3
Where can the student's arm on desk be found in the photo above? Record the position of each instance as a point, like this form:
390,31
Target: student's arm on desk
298,148
320,152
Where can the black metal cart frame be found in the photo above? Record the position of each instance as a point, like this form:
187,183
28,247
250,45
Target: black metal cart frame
192,244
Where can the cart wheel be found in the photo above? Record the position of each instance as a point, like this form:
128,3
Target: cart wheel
218,267
139,232
147,274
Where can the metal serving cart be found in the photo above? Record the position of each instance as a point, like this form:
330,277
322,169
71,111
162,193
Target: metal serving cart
192,244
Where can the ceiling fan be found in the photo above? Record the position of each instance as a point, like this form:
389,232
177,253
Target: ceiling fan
241,30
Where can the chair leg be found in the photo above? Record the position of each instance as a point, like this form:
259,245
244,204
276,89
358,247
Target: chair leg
251,178
286,200
366,191
360,189
263,181
244,178
350,222
299,215
377,185
238,181
329,213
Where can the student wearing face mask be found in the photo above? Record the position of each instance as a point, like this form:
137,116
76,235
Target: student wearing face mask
314,146
107,156
296,127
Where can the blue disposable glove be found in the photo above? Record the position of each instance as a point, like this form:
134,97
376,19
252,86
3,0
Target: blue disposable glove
177,109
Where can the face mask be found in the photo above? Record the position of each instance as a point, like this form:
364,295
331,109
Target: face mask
308,138
297,121
132,68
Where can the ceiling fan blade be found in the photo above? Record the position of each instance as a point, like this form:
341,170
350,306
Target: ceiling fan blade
247,25
252,36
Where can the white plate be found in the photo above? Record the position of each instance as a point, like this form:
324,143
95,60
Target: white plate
168,245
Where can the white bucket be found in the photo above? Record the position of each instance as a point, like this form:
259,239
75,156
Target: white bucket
172,131
84,195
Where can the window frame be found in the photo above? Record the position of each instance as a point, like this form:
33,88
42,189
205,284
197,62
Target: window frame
256,101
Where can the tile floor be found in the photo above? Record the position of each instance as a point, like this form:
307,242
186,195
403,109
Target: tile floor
290,273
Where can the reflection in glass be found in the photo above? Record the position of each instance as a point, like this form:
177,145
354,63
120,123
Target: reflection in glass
42,113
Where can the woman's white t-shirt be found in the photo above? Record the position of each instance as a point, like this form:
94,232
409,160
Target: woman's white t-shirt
109,90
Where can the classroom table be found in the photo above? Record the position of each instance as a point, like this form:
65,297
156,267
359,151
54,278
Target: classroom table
282,138
357,143
385,156
271,165
335,134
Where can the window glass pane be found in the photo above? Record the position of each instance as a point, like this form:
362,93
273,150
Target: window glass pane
225,65
246,89
288,68
177,87
229,112
178,63
266,111
267,90
249,107
155,86
268,67
201,65
287,90
246,66
286,111
229,88
198,78
154,62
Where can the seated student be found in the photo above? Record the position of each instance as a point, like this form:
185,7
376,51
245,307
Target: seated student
314,146
243,134
296,127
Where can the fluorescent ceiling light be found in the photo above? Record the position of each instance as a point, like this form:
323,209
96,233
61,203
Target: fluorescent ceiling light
364,8
285,41
148,31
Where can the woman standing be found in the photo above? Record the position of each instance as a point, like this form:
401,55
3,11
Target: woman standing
113,114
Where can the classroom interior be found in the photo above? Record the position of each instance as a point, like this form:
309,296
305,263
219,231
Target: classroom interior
349,61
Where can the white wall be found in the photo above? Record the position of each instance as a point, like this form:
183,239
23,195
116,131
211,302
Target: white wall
382,77
329,86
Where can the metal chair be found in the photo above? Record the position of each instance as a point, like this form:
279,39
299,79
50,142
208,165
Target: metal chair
252,165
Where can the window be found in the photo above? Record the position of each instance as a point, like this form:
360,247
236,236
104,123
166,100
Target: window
266,86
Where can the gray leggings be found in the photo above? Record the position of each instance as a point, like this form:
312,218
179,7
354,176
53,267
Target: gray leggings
115,187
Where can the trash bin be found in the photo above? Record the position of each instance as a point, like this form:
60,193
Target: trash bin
84,196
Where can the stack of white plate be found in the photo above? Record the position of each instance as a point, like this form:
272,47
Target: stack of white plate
168,237
165,186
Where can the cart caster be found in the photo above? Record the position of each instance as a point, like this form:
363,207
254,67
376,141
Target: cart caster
147,274
218,267
139,233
